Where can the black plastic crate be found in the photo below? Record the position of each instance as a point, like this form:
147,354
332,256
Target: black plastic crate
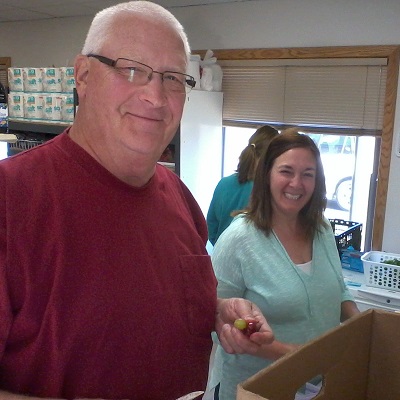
347,233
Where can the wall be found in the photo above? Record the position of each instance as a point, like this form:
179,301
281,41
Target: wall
248,24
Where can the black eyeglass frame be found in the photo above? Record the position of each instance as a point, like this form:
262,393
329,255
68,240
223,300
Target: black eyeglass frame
189,80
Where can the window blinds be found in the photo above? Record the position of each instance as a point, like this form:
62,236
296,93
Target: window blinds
329,95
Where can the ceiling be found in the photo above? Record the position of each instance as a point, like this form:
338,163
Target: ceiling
29,10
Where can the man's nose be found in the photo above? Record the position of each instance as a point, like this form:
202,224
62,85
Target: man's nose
154,90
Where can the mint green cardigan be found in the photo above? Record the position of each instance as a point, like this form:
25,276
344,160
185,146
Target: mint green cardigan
298,306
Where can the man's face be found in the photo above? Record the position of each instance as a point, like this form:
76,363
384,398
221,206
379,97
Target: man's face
129,118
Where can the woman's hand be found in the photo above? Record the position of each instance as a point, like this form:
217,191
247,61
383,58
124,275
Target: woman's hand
232,339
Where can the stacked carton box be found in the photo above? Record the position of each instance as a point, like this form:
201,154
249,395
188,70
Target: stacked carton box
41,94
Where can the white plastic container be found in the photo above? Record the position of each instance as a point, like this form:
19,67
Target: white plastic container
379,274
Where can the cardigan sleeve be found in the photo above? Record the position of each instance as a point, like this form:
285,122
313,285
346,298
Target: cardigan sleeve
228,265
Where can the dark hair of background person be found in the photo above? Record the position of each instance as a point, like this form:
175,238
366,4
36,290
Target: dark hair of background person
260,207
250,155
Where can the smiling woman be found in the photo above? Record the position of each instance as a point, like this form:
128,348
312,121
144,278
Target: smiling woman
292,181
281,252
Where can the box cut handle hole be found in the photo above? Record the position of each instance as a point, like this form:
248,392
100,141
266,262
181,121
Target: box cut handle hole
311,390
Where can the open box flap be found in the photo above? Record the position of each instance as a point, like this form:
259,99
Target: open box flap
341,355
359,360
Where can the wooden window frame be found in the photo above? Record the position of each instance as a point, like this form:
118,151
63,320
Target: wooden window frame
5,63
392,54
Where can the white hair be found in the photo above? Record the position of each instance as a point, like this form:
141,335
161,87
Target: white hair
101,27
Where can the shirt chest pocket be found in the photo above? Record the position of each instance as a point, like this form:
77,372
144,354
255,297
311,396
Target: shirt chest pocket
200,294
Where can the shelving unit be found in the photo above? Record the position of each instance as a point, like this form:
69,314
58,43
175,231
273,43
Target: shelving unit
31,133
17,126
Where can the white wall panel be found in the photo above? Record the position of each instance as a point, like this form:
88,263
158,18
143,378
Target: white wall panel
201,145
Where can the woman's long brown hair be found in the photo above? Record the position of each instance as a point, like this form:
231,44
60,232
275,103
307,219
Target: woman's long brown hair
260,207
250,155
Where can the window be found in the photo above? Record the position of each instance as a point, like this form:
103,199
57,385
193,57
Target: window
383,136
347,187
322,94
330,95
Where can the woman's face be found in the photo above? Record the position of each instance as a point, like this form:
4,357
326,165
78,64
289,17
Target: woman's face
292,181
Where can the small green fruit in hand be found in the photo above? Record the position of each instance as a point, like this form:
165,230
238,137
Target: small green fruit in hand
240,324
246,326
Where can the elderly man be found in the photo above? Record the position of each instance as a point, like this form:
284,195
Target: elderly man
106,288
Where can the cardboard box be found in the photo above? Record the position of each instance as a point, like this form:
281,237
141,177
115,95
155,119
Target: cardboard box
351,259
359,360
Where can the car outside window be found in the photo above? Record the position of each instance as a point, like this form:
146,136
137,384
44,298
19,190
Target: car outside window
338,159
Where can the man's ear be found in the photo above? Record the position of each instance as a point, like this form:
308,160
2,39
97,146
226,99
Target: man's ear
81,72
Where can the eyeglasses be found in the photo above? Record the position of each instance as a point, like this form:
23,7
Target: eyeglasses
140,74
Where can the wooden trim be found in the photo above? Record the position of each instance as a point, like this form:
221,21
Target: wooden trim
5,63
392,54
386,148
303,52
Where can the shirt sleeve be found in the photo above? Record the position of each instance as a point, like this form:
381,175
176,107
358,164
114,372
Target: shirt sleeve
227,264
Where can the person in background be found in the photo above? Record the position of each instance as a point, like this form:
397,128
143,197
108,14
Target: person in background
106,288
233,192
281,254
